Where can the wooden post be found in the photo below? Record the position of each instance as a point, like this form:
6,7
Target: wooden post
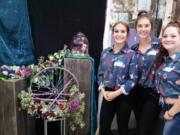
82,69
13,121
176,13
168,13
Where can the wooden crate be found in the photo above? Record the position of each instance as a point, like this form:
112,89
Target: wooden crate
13,121
82,69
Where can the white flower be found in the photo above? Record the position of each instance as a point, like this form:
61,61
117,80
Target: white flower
44,110
5,72
36,80
51,57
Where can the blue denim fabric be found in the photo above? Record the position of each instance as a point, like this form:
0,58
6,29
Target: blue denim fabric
171,127
16,44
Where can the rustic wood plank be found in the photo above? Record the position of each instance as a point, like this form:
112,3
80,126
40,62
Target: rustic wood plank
1,109
177,9
168,13
14,122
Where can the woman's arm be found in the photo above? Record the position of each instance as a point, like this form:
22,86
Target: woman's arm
169,114
132,76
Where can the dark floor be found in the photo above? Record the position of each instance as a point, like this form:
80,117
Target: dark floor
158,131
53,128
131,132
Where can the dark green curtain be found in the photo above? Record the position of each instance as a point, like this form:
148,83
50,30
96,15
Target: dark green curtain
16,46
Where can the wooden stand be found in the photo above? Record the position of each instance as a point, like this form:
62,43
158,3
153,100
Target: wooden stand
82,69
13,121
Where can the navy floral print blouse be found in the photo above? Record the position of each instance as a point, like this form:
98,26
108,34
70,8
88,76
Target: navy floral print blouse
118,70
167,75
146,64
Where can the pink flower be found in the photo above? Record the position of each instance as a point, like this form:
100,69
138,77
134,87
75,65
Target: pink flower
161,90
128,55
164,76
150,75
24,72
108,61
161,66
152,62
74,104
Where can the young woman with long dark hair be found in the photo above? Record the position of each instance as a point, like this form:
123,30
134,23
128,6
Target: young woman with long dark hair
117,75
168,77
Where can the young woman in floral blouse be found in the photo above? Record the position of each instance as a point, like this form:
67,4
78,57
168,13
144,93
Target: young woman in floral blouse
168,77
146,103
117,75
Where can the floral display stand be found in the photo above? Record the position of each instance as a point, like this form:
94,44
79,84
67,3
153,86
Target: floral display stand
13,121
59,88
62,122
82,68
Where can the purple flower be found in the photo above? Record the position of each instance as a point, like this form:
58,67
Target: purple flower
12,72
74,104
78,94
7,71
52,107
24,72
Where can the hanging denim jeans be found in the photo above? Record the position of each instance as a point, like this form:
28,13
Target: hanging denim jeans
171,127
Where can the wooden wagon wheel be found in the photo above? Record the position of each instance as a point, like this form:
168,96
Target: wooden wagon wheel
53,85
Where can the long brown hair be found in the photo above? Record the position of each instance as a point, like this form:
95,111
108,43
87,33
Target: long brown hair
123,23
162,51
147,16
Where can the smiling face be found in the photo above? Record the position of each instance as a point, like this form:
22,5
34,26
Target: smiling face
120,33
171,39
144,28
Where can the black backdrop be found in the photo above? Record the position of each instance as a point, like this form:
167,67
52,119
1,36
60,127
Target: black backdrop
54,22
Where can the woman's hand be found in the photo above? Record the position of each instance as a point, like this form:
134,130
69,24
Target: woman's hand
168,116
113,94
105,94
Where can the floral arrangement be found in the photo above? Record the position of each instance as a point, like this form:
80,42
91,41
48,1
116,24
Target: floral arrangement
14,72
17,72
72,108
54,60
